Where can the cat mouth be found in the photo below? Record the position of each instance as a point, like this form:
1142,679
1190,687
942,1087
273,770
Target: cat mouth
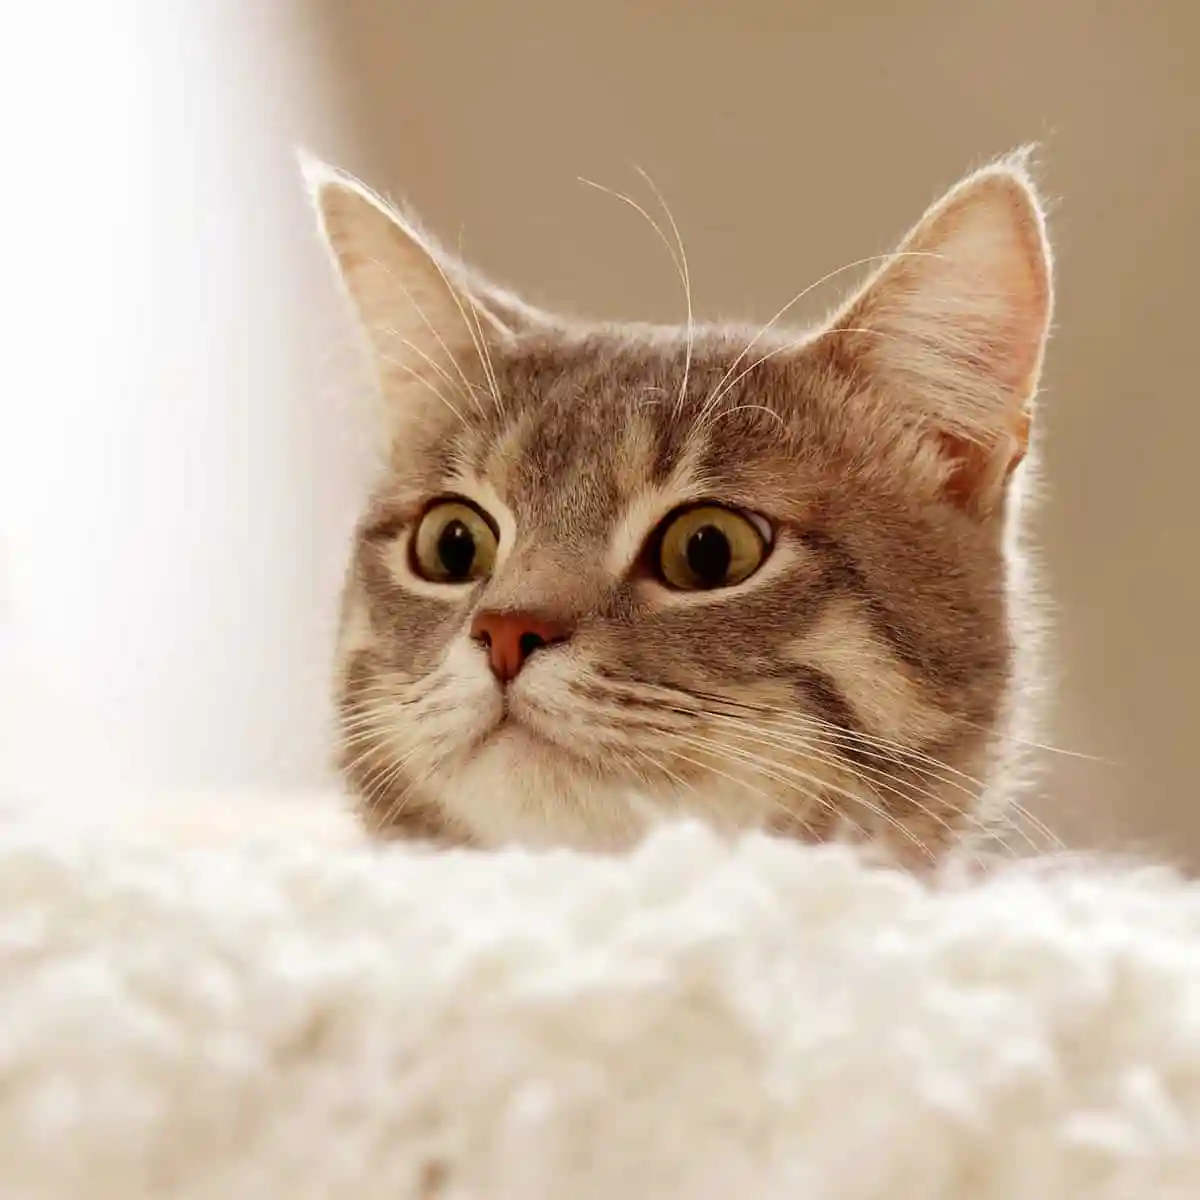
512,726
507,725
517,730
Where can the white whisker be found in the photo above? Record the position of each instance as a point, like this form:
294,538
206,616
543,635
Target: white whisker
481,343
685,274
415,374
800,295
874,779
678,257
433,329
714,401
773,767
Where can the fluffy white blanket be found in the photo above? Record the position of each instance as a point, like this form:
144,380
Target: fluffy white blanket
293,1020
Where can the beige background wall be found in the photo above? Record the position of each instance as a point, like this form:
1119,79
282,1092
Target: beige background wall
180,453
791,138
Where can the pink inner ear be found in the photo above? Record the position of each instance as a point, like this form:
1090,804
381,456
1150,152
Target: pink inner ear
1017,358
979,470
965,320
1013,359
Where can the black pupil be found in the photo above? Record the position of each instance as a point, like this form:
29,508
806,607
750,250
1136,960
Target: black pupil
456,549
709,555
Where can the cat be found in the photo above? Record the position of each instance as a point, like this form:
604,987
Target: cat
614,574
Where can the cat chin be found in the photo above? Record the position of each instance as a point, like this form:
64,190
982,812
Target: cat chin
518,788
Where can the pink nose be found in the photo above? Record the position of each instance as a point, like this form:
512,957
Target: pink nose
511,637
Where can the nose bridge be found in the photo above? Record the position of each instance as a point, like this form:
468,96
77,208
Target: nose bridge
554,582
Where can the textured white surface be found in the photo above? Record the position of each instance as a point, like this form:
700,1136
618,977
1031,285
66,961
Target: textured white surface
296,1020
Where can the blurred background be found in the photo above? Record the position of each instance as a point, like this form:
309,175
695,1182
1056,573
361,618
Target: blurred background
183,448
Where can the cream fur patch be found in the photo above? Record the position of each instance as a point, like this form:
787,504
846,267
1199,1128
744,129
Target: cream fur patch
879,687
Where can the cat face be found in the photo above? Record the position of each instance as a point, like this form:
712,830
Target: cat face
613,574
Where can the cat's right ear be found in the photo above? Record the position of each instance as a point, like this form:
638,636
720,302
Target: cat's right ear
424,314
951,330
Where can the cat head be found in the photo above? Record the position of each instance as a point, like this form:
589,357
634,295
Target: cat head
616,573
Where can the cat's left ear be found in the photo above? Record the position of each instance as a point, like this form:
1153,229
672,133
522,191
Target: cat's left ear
951,331
426,316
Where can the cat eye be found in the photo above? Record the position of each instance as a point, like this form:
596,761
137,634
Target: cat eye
709,547
454,543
